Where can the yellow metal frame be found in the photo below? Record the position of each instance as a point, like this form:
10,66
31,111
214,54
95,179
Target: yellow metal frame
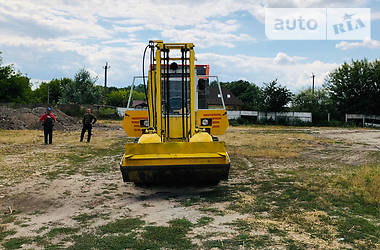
219,120
219,117
159,156
173,46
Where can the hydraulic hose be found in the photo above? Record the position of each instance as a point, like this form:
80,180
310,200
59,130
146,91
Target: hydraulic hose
143,74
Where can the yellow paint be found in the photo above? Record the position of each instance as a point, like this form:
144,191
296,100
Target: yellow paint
175,130
219,118
192,93
201,137
131,122
175,153
150,138
156,147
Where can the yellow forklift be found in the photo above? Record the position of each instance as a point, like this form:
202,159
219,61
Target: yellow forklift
176,135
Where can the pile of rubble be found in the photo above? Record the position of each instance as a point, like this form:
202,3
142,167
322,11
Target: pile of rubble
29,118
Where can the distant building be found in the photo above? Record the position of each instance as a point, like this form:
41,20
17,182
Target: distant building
139,104
230,100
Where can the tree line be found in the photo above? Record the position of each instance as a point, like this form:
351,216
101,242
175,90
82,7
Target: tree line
81,89
351,88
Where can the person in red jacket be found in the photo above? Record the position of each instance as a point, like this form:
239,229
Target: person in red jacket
48,120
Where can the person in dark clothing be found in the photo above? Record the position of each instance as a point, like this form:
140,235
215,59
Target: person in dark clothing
88,120
48,121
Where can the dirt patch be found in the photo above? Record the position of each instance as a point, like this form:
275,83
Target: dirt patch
359,137
28,118
76,191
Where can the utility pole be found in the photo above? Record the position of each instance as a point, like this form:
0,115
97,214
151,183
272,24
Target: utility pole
313,76
48,93
105,78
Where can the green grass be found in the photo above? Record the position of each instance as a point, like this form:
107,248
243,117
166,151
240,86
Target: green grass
322,198
4,220
124,225
81,160
114,235
276,231
172,237
114,242
365,183
188,202
43,240
61,231
15,243
218,194
205,220
355,229
213,211
8,218
298,191
85,218
295,197
243,240
41,229
120,235
4,233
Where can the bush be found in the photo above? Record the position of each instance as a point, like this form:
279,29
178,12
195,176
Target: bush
242,121
107,113
71,109
233,122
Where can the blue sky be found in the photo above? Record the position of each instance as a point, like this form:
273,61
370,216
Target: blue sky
54,39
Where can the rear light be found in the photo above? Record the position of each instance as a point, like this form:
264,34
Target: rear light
206,121
144,123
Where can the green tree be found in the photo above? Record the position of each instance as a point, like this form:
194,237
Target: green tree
139,88
355,87
120,97
54,87
248,93
274,97
81,90
14,87
319,103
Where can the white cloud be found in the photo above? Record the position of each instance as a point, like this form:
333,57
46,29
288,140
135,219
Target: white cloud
37,82
205,38
257,8
312,3
131,29
47,44
369,44
95,31
42,17
295,75
116,31
282,58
